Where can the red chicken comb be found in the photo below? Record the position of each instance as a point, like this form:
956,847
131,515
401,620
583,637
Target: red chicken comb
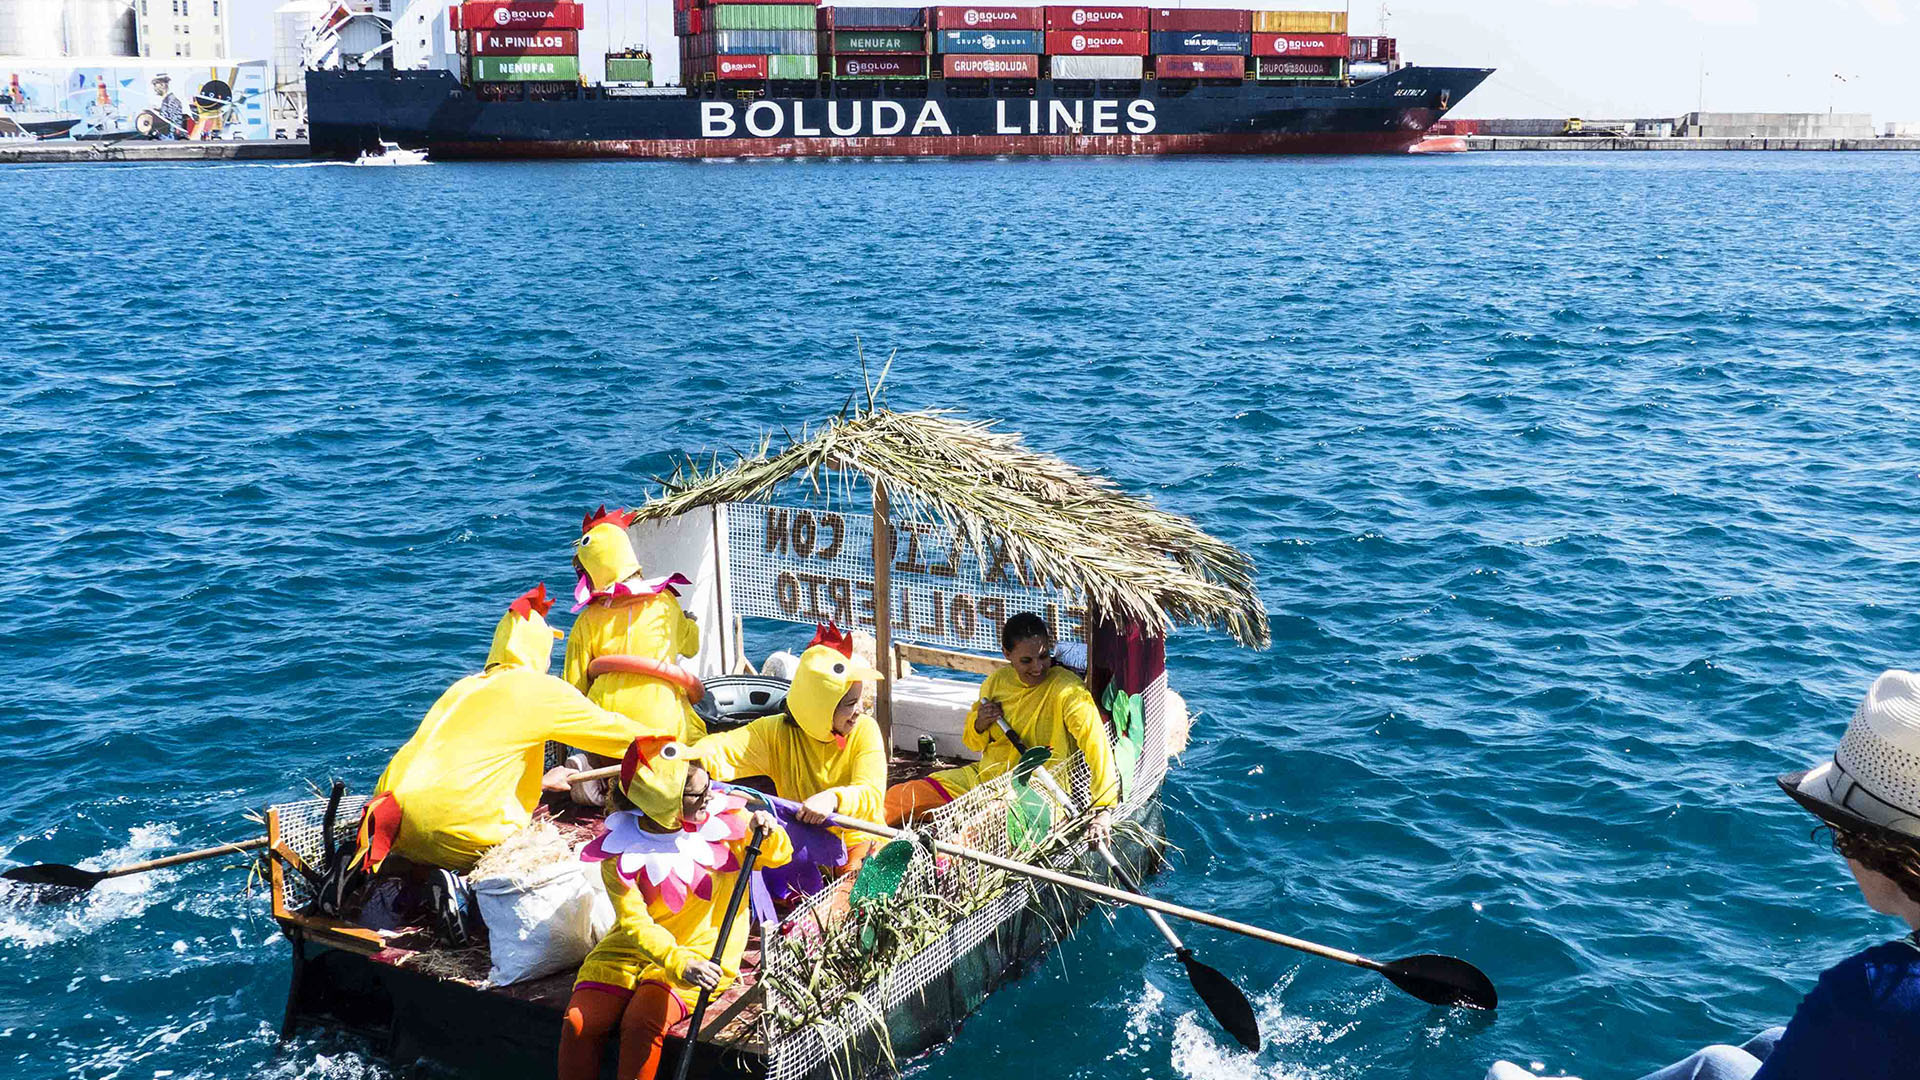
642,752
532,602
832,637
622,518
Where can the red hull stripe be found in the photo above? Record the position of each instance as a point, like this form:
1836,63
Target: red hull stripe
1383,142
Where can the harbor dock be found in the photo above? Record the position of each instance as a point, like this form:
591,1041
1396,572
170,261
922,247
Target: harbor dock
57,151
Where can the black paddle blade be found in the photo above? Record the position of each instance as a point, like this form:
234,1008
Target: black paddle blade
60,874
1442,980
1225,1001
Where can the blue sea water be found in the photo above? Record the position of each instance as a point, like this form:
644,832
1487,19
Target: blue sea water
1582,490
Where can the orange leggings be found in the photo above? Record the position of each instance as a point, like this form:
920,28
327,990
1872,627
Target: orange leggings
643,1020
913,800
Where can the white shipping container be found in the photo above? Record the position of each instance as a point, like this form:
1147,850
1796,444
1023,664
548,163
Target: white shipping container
1098,67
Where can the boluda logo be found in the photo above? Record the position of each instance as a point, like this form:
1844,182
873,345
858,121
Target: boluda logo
502,16
1079,40
728,67
988,42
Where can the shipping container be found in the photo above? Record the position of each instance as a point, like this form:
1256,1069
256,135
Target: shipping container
1096,18
760,17
989,41
808,4
520,15
1097,67
690,22
1302,45
526,69
754,42
1219,20
988,18
1300,22
793,66
526,42
1096,43
1198,43
879,41
978,66
1382,50
736,68
1269,67
874,18
629,69
1200,67
880,67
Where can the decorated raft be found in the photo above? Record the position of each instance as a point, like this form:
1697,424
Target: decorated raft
927,532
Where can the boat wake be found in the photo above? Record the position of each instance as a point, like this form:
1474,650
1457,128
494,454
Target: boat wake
30,920
1200,1051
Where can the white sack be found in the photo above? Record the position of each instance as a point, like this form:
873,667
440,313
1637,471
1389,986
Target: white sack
545,924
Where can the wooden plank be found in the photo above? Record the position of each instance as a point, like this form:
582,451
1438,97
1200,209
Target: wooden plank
971,663
883,614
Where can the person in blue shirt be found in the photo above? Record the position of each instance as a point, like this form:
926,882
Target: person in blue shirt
1861,1021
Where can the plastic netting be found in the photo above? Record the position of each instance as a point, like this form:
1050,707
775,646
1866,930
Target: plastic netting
301,826
977,820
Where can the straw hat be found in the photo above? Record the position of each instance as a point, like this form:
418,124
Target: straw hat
1872,785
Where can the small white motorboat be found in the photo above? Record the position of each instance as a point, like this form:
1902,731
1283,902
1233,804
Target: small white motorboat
392,153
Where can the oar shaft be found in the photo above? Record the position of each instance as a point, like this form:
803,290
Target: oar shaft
741,884
185,857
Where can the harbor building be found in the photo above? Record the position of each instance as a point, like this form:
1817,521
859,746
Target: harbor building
184,29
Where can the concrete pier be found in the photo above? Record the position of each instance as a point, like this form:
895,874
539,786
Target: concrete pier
69,150
1539,142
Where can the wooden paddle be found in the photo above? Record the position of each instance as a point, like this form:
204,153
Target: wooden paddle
73,878
1223,999
1435,979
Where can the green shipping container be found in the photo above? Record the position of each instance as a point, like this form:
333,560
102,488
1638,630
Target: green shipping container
526,69
793,65
879,41
760,17
628,69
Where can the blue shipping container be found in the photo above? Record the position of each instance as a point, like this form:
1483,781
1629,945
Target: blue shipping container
752,42
1200,43
878,18
989,41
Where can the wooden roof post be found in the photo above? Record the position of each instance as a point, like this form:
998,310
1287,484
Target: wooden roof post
883,616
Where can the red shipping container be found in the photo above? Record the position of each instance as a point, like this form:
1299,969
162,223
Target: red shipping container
1380,50
526,42
1200,67
1304,45
521,15
1273,67
1215,20
988,18
738,67
1101,43
1096,18
865,66
984,66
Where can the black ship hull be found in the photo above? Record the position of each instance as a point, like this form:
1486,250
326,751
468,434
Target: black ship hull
351,111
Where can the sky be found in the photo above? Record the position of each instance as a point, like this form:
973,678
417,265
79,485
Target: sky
1611,59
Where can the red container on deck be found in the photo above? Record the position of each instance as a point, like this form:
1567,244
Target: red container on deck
737,67
986,66
871,66
526,43
1097,42
1215,20
522,15
1293,67
988,18
1200,67
1096,18
1310,46
1379,50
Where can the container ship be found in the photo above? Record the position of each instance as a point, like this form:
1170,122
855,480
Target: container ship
792,79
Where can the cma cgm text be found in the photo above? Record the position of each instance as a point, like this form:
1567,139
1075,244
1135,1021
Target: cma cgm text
861,119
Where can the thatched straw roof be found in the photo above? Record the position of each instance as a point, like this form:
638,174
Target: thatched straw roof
1077,529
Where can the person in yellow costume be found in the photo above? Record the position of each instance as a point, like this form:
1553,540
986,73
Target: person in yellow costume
472,774
1046,705
822,752
669,865
630,634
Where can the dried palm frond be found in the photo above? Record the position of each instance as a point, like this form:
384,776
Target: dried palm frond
1075,530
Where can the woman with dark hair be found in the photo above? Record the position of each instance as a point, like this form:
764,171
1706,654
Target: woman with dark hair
1046,705
1861,1021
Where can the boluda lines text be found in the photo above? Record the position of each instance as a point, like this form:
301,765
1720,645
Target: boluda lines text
866,119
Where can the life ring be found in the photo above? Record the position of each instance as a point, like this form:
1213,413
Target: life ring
687,681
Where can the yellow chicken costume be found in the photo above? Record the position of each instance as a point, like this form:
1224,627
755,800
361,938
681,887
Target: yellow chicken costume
630,633
799,750
470,776
1057,713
